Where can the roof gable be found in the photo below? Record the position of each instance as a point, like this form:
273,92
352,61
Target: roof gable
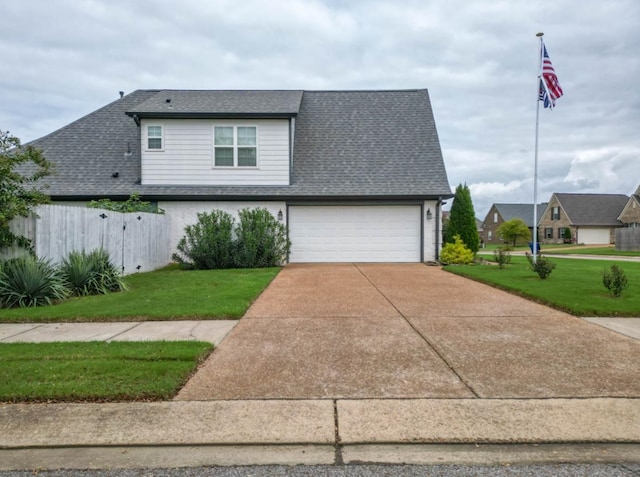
592,209
520,211
368,143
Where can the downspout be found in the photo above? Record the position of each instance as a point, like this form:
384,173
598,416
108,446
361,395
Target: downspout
437,254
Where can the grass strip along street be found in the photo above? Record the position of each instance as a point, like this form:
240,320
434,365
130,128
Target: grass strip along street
166,294
125,371
574,286
97,371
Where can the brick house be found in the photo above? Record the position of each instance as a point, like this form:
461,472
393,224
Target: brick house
500,213
590,218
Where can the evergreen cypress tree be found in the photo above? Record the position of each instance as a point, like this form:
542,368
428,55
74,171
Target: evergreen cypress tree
462,220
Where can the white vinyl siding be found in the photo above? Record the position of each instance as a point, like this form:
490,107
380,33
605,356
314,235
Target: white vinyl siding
355,233
188,157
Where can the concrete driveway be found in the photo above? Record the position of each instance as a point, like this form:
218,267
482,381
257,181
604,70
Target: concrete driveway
358,331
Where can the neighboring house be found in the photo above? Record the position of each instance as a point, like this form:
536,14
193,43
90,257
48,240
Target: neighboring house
591,218
355,175
630,215
500,213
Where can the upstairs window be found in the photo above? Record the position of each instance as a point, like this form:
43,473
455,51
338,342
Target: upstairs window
555,213
155,138
235,146
495,217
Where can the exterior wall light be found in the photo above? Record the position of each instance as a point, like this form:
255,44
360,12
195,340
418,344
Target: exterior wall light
429,214
280,216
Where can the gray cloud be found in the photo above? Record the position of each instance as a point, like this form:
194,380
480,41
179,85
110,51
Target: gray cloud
64,59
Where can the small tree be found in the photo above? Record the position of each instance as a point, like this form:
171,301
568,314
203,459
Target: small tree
462,220
514,230
542,266
502,257
566,235
20,169
615,280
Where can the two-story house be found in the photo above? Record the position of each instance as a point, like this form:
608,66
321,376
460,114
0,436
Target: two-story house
355,175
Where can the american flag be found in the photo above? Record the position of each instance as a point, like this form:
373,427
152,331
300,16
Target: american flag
550,89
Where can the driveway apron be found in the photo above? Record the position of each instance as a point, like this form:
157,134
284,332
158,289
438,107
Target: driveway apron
356,331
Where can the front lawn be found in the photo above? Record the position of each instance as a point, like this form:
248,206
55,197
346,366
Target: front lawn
611,251
97,371
166,294
574,286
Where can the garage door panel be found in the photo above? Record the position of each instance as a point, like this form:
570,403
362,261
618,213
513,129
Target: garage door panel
593,236
355,233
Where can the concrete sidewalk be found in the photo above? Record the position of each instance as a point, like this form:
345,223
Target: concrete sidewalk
364,363
212,331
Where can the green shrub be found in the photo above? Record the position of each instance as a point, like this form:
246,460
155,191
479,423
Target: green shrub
29,281
542,266
502,256
208,244
90,273
132,204
615,280
456,252
261,241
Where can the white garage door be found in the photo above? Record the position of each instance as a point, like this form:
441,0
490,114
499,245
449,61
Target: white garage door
593,235
354,233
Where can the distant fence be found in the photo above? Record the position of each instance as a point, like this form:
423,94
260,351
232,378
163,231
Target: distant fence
135,241
628,239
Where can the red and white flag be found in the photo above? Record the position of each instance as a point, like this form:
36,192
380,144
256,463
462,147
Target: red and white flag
550,89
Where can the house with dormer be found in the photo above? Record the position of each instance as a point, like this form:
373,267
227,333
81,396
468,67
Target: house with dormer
355,175
590,218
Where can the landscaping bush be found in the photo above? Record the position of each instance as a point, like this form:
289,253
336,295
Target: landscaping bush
29,281
502,257
261,241
542,266
90,273
615,280
108,276
208,243
456,253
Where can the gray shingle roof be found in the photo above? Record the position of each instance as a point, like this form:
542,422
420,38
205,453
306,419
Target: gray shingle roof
168,103
368,143
348,144
521,211
593,209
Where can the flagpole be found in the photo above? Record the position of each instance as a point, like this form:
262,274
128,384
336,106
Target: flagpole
534,241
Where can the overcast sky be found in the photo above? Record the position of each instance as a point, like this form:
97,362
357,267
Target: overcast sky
479,59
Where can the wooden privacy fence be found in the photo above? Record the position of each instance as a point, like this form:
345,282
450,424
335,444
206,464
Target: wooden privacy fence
628,239
136,242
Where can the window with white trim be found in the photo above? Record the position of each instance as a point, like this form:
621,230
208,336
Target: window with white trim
555,213
235,146
548,233
155,137
495,217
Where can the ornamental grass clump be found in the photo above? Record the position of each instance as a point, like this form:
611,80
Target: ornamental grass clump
91,273
28,281
615,280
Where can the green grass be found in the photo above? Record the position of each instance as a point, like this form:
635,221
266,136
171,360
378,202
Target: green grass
166,294
574,286
97,371
609,251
